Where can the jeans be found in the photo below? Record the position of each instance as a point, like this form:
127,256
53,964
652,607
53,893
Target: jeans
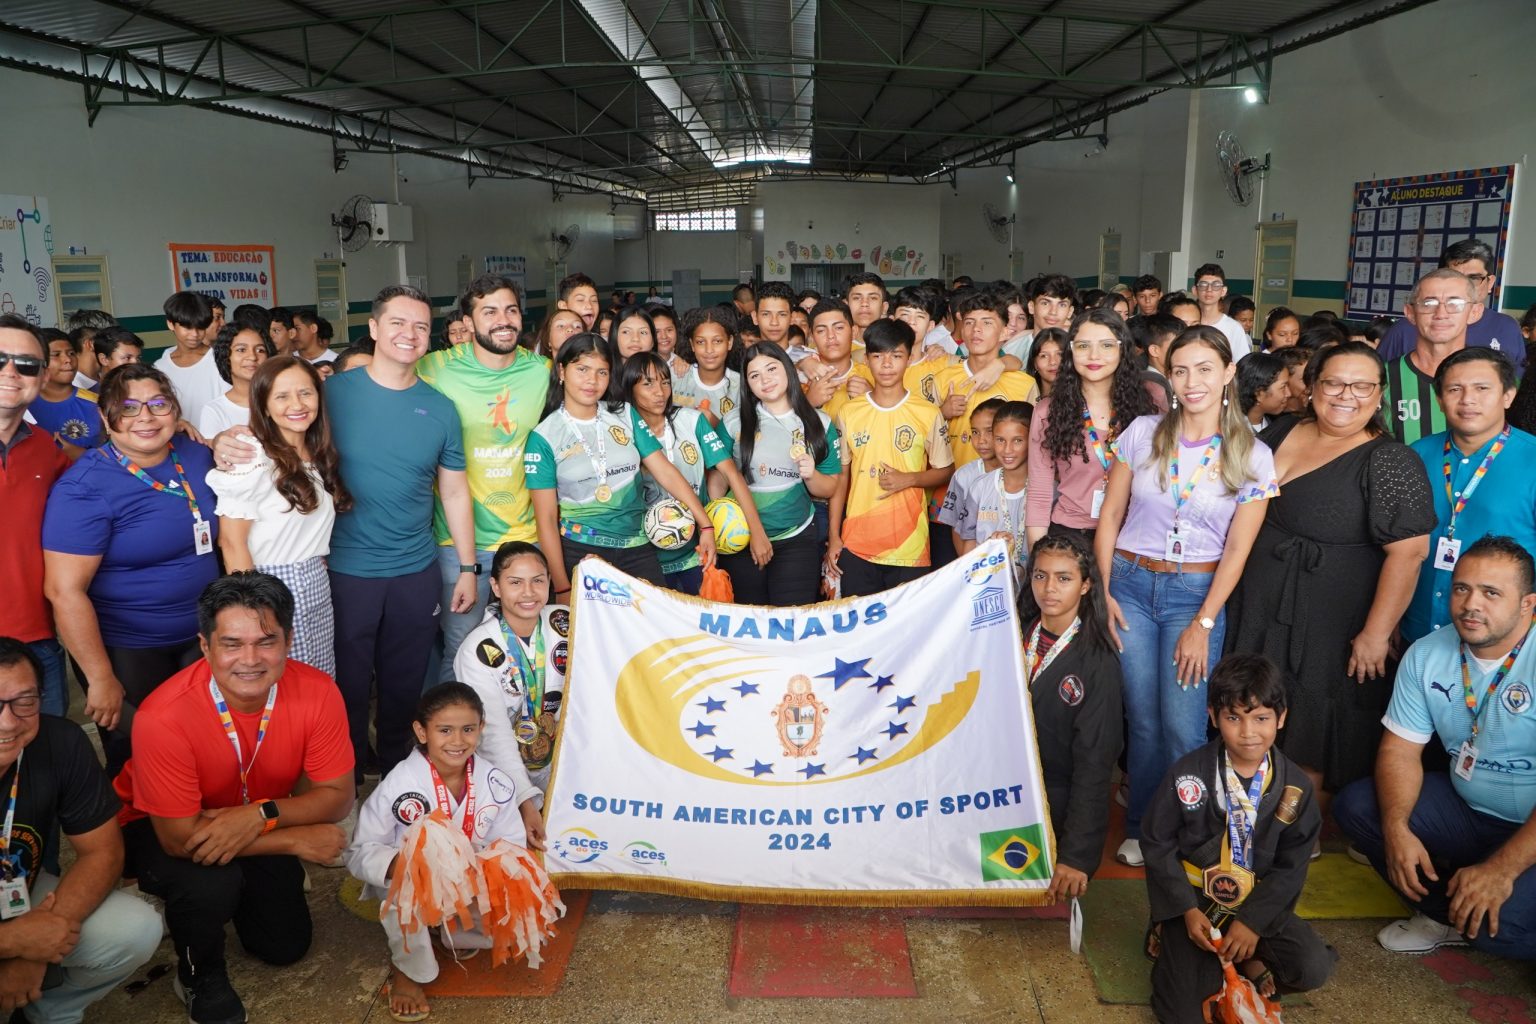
116,939
55,700
1166,721
1456,836
455,626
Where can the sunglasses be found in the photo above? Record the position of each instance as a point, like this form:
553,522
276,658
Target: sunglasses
27,366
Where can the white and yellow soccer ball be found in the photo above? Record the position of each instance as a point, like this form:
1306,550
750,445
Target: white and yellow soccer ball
730,522
668,524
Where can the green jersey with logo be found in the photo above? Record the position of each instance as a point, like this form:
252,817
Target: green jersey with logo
689,392
498,409
694,448
593,466
783,503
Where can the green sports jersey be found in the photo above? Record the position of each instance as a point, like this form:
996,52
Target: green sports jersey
1412,408
498,409
694,448
580,460
688,392
783,503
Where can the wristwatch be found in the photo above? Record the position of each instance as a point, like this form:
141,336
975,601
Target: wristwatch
474,568
1207,623
268,810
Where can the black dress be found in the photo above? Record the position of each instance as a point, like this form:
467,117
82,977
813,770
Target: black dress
1307,589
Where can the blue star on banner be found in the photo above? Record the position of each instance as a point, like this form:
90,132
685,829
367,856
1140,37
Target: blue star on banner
863,755
881,683
710,705
699,729
846,671
745,688
758,768
903,703
895,729
812,770
721,753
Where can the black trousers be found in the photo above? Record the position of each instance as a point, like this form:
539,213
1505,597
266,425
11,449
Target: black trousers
140,670
263,896
1184,977
862,577
385,632
792,576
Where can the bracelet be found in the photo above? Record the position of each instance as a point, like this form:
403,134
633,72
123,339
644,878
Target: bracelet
711,529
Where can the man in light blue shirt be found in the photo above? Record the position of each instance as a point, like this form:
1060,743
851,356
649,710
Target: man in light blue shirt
1461,844
1491,483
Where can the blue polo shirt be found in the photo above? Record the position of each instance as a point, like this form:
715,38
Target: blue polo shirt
1428,702
1504,503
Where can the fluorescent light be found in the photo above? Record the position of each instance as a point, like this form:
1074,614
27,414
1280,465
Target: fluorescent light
1251,94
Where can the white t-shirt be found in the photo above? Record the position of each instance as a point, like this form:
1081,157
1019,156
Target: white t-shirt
280,534
221,414
196,385
328,356
1236,336
939,335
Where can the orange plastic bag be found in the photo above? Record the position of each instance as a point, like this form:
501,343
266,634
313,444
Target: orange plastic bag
1239,1002
717,586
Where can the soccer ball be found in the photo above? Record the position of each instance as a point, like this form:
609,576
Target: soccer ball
668,524
730,522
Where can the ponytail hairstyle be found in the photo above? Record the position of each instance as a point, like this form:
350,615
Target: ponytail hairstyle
446,695
1012,412
1236,432
1092,612
810,420
293,480
576,346
1128,399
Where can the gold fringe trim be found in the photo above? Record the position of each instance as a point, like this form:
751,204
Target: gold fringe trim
805,897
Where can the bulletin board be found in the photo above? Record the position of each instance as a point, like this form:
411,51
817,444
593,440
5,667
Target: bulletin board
1401,225
26,260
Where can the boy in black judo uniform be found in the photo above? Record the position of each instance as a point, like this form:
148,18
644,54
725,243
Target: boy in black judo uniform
1227,840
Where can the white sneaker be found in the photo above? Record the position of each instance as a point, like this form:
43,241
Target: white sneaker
1129,854
1356,856
1418,934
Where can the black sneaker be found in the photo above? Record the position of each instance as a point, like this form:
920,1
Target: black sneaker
210,999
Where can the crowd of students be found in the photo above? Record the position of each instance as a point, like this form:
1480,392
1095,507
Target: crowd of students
1212,534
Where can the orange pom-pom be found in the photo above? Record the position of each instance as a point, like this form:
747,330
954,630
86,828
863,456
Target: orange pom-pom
435,880
522,904
717,586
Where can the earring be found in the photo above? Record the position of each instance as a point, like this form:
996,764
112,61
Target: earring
1174,404
1225,401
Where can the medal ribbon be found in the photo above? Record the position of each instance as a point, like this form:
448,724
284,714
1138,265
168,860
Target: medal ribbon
598,458
183,489
445,801
10,807
1100,448
1006,515
1243,811
531,675
1034,664
1182,491
1459,503
228,721
1470,694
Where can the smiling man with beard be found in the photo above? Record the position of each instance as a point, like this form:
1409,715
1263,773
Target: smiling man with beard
498,387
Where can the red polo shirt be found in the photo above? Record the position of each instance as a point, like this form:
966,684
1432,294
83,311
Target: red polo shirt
29,465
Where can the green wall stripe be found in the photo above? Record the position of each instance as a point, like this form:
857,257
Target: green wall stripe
1305,288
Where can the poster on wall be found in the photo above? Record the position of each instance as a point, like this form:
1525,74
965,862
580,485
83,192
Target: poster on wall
26,267
515,267
897,261
233,273
1402,225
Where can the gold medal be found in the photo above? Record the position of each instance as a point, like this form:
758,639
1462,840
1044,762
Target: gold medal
604,492
527,731
796,451
1228,884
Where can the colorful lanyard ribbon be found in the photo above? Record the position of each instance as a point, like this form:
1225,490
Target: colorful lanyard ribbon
1459,503
1182,491
184,489
445,802
1243,811
1034,663
1498,677
228,721
532,675
10,812
1100,448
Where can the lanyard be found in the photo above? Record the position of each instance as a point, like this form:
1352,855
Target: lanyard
599,458
1034,664
532,675
1498,677
1005,513
1182,491
1243,811
228,721
10,807
1456,502
183,489
1100,449
445,801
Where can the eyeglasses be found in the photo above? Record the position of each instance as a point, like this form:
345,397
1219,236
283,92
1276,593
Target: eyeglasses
27,366
1100,345
131,409
1209,286
1359,388
1453,305
25,706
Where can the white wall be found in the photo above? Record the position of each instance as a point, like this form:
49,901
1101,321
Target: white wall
714,254
850,216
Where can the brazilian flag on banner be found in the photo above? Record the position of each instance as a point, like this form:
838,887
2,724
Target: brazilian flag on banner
1014,854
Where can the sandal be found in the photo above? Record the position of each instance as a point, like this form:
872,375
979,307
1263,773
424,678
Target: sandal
410,1017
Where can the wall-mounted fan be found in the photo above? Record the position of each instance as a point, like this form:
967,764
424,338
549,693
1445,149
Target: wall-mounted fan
999,226
353,223
1237,168
560,243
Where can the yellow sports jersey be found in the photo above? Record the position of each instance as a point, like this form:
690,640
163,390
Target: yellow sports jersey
921,379
1012,386
890,528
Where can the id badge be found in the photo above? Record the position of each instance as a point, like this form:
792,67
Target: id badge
202,536
14,899
1447,552
1466,761
1173,546
1098,502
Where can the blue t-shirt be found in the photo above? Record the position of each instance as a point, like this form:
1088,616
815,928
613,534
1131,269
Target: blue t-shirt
1504,502
145,590
75,419
391,445
1498,331
1428,702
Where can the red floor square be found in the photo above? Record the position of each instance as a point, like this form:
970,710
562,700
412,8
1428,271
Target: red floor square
478,978
820,951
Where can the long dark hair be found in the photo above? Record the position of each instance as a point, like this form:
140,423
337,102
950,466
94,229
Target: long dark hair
635,369
815,433
293,481
1092,612
576,346
1128,399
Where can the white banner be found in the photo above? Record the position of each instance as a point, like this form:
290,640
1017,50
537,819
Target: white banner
871,751
26,260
